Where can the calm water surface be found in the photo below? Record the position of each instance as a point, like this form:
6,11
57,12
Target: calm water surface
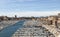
10,30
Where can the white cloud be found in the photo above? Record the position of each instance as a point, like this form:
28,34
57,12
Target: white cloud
31,13
42,13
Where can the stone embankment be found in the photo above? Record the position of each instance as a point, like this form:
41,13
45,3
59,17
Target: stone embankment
52,29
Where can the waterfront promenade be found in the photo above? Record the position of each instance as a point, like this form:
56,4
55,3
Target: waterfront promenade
28,27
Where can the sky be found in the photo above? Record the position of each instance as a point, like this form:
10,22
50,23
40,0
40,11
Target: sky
29,7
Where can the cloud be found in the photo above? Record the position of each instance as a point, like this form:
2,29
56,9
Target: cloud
30,13
38,13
